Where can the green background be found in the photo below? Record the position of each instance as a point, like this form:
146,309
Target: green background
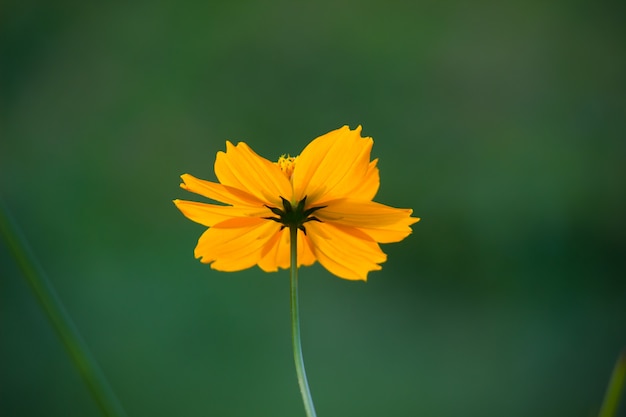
502,124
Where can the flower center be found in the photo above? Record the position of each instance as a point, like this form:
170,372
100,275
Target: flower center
287,164
293,217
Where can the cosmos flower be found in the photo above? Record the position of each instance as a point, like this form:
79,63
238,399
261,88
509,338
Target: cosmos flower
326,193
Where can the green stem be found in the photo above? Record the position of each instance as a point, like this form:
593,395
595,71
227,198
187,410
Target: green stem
615,388
295,327
63,325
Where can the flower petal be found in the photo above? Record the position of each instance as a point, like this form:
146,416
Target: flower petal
368,185
386,235
383,223
241,168
277,253
235,248
306,256
210,214
346,252
334,165
218,192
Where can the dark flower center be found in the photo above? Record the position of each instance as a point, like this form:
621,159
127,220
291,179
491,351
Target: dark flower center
293,217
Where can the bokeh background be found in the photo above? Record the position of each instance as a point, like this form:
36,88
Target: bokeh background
502,124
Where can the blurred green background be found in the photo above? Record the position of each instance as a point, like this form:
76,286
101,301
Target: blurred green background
502,124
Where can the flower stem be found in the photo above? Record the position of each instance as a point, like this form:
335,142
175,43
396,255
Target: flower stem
60,320
295,326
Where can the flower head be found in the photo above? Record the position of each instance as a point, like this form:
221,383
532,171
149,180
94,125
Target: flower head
325,192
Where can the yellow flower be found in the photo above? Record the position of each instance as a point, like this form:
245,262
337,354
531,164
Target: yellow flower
326,192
